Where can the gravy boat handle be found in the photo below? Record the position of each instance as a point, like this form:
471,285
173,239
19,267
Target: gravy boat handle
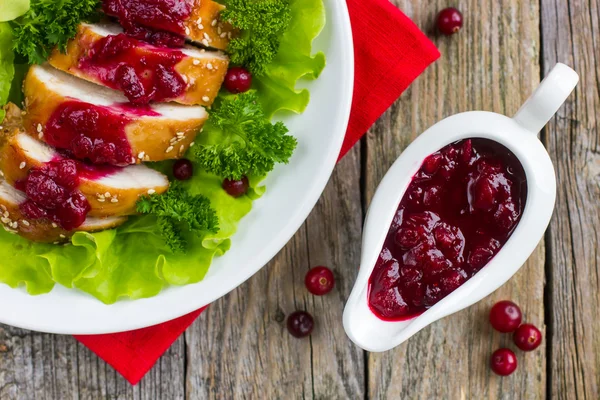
366,329
552,92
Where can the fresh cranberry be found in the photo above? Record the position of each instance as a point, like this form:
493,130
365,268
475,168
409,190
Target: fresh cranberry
236,188
505,316
449,21
237,80
319,280
183,169
389,274
527,337
503,362
300,324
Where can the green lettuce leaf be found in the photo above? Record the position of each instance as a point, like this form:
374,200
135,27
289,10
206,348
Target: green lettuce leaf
11,9
277,87
7,69
133,260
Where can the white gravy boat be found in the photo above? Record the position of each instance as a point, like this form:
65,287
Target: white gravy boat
520,135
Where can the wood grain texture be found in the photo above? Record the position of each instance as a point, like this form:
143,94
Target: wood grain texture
240,348
492,64
571,32
43,366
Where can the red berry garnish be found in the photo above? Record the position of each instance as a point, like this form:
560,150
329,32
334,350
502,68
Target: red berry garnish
505,316
319,280
449,21
503,362
527,337
238,80
300,324
236,188
183,169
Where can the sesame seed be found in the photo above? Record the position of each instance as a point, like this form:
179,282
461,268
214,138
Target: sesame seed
180,133
23,113
223,35
62,236
206,36
151,191
203,50
39,127
169,149
209,66
2,206
40,135
187,30
181,148
14,225
141,155
107,194
54,225
56,242
25,222
133,160
200,26
185,79
6,214
101,199
1,173
199,20
192,144
214,22
5,220
229,35
22,165
205,98
205,42
114,200
196,62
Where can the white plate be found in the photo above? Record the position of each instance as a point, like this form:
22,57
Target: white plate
292,191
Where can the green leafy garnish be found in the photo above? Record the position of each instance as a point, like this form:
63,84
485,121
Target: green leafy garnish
239,140
50,23
178,210
261,24
7,68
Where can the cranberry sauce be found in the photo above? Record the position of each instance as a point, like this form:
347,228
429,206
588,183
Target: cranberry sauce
52,191
141,72
459,210
164,17
94,133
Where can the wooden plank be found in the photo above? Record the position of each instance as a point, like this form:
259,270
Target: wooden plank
36,365
240,348
571,34
492,64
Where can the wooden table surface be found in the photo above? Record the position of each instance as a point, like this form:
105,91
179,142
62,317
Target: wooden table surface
240,348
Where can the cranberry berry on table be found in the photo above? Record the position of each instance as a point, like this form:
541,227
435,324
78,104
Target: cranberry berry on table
236,188
300,324
238,80
319,280
505,316
503,362
449,21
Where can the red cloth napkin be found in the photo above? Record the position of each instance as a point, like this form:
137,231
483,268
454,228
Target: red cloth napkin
390,52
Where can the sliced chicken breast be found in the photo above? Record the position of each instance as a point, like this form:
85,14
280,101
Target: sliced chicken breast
42,230
197,20
100,53
110,191
90,121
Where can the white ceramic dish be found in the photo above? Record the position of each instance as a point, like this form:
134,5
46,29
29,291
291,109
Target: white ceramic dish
518,134
293,190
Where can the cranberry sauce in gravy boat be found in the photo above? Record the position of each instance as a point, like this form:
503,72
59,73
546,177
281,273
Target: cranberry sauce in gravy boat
430,250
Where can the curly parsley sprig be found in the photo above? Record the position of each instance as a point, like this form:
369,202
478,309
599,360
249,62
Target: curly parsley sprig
246,141
50,23
178,210
261,24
